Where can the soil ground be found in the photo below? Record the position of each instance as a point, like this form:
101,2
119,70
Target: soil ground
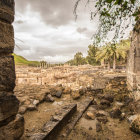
86,129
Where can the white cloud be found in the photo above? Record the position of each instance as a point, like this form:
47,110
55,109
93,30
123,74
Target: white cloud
40,39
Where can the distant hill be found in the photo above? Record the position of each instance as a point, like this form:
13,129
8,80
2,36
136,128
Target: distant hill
20,60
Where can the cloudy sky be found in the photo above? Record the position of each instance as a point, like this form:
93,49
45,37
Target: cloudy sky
47,30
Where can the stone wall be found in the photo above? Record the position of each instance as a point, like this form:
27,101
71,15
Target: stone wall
65,75
133,67
11,124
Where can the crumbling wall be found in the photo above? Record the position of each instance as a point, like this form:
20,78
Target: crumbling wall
133,67
11,124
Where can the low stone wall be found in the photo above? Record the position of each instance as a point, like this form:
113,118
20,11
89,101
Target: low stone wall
57,75
11,125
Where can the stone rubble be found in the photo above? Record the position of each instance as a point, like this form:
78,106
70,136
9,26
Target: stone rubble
109,101
135,125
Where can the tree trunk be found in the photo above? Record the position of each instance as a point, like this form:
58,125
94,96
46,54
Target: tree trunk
108,65
114,63
103,64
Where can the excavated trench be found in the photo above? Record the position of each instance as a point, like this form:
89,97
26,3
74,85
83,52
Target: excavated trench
100,113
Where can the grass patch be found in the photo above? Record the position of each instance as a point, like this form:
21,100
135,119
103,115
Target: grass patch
20,60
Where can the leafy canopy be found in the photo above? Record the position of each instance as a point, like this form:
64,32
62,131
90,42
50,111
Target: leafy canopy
91,58
109,52
77,60
114,15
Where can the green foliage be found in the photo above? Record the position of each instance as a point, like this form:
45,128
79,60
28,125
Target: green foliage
110,53
19,60
71,62
91,58
114,15
78,59
104,53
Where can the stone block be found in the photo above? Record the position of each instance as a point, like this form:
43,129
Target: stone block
7,73
9,106
138,52
138,81
7,10
133,66
14,130
6,38
52,127
137,64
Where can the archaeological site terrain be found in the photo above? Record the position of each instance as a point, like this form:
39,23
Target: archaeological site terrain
69,101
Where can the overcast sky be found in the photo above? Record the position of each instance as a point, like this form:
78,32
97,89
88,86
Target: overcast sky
47,30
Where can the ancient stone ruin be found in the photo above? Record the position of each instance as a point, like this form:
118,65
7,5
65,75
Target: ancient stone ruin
133,66
11,124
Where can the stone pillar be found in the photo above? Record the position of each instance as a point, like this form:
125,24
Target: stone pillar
11,124
133,66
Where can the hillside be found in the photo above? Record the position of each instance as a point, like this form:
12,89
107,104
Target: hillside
20,60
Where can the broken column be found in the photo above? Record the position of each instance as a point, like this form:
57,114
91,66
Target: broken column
11,124
133,67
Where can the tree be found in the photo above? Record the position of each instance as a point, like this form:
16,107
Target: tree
91,58
112,52
122,49
70,62
79,59
114,15
104,55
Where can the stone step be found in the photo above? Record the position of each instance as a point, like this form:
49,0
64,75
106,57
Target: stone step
56,123
81,108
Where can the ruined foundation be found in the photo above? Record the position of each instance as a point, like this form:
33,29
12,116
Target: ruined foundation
11,124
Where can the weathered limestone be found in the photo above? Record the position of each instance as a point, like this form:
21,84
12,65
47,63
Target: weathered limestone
133,67
11,127
70,76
